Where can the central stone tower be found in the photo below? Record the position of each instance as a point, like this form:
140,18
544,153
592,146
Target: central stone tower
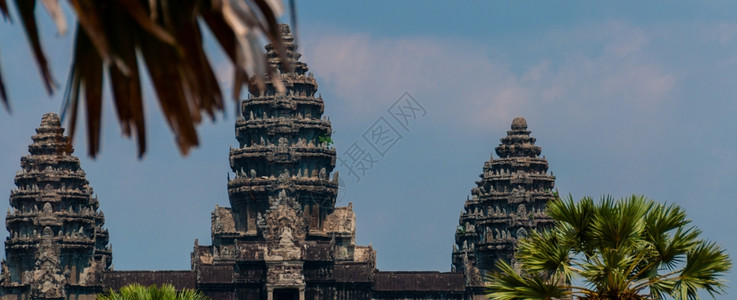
508,202
283,135
283,237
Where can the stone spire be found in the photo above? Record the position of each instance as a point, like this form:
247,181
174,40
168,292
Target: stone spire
507,203
291,54
284,145
56,240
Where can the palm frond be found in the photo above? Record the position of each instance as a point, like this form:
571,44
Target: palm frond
629,243
545,252
672,250
167,37
607,271
191,295
26,10
171,90
507,284
4,9
577,216
664,218
153,292
660,221
704,265
86,75
163,292
145,19
3,93
57,15
126,88
90,15
617,224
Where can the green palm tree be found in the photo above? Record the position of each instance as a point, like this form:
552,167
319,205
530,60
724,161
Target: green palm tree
138,292
633,248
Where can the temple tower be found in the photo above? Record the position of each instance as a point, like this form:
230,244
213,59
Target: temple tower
508,202
283,134
283,234
56,245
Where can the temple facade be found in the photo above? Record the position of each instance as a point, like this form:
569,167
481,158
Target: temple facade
283,234
56,247
508,201
283,237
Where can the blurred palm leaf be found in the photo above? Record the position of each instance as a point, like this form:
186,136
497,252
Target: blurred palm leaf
3,93
113,37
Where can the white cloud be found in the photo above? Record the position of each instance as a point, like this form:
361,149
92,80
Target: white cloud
370,73
470,88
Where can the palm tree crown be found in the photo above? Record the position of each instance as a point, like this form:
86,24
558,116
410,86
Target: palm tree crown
632,248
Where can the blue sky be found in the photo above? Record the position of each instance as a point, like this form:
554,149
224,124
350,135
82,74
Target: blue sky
624,97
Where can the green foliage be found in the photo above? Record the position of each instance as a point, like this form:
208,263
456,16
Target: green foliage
326,139
138,292
631,248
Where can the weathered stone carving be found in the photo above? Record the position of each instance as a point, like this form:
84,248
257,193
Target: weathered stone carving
47,279
222,220
283,212
68,216
291,120
284,228
286,275
514,190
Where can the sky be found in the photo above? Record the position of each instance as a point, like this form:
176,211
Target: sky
624,98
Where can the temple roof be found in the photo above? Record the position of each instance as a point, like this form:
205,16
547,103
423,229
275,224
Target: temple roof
518,142
54,214
49,138
519,123
291,53
507,203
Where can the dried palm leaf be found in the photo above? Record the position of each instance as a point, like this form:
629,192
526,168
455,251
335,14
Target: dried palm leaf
26,11
57,15
112,36
87,74
197,70
89,13
165,67
4,10
3,93
127,87
145,19
226,38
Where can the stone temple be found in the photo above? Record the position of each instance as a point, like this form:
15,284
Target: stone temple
507,203
283,237
56,248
